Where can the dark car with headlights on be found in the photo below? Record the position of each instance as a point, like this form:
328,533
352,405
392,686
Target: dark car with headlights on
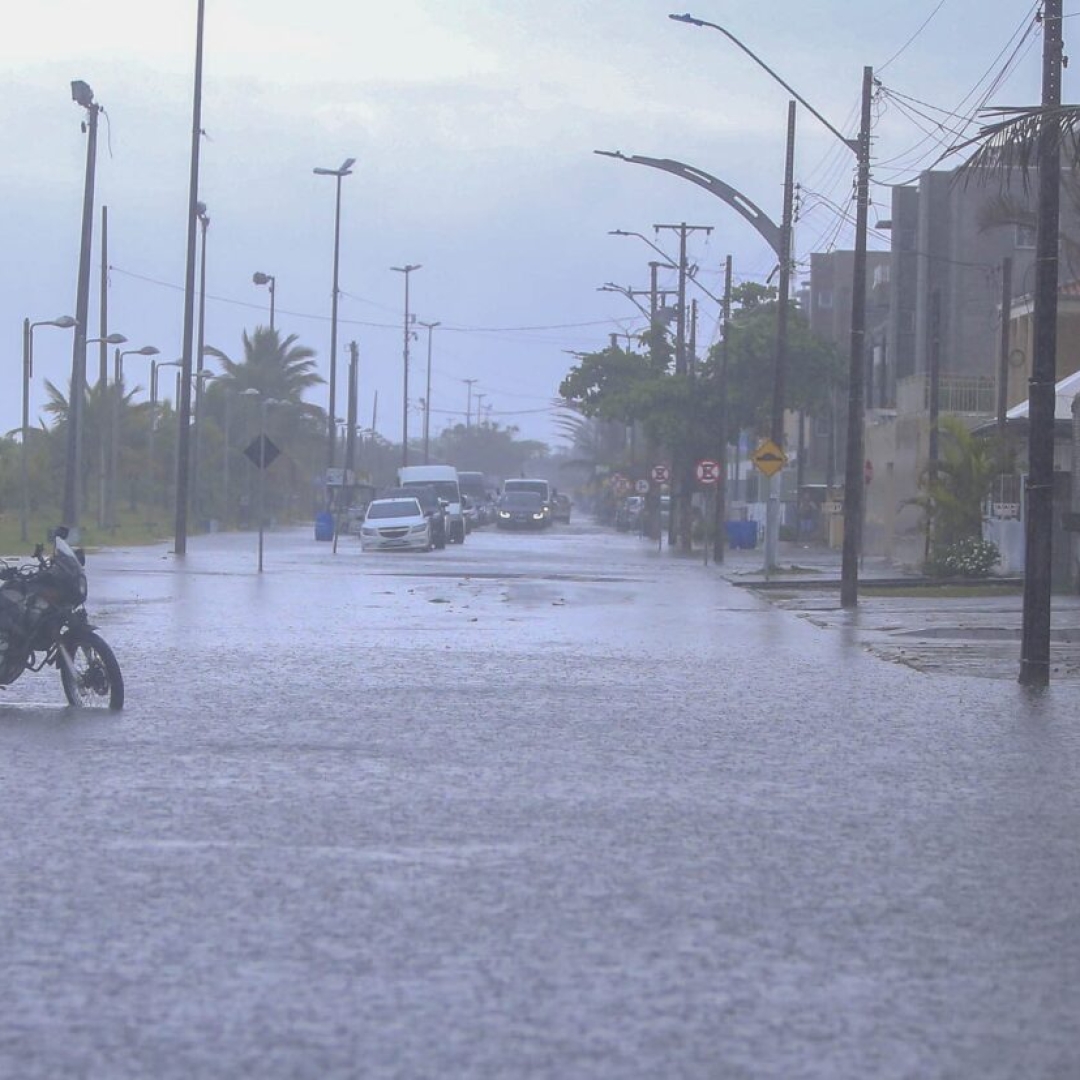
521,510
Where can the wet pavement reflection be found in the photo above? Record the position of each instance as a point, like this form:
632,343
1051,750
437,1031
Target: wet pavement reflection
541,805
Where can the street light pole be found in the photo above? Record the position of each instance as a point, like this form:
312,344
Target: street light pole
84,96
407,269
331,434
854,496
117,402
64,322
155,369
429,326
259,278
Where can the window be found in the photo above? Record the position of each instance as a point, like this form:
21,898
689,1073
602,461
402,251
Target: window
1025,236
824,298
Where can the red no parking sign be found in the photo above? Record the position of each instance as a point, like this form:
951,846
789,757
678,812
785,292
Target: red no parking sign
708,472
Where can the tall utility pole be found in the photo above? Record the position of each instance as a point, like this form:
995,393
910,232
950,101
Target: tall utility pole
854,494
1003,348
468,403
933,406
103,368
721,483
84,96
350,433
183,440
1035,631
407,269
429,326
679,524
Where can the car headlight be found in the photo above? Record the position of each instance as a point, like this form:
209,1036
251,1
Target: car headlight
504,513
366,531
418,528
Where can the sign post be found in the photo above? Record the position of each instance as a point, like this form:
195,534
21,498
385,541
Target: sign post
262,453
769,459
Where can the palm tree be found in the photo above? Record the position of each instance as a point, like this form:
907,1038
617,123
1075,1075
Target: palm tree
954,490
275,367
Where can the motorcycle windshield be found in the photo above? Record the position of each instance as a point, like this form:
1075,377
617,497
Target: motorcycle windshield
67,562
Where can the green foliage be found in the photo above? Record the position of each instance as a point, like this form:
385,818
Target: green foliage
814,367
952,495
277,368
487,448
610,385
968,558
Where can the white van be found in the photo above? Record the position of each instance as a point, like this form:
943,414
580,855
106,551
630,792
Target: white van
539,487
444,479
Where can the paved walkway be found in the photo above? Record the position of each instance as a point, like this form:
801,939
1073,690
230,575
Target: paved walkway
903,618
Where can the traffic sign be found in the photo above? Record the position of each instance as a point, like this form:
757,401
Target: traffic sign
708,472
768,457
642,487
660,474
261,452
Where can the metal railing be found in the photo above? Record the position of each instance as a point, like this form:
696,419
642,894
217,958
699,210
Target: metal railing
956,394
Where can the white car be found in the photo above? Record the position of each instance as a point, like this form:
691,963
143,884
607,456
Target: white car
395,525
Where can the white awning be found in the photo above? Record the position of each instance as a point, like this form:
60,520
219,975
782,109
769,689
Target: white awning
1064,392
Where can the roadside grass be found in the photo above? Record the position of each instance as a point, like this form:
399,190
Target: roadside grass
131,528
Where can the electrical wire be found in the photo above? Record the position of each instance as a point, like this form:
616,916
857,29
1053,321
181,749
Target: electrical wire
903,48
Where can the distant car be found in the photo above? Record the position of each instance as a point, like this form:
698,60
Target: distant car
395,525
471,513
430,503
628,515
560,509
521,510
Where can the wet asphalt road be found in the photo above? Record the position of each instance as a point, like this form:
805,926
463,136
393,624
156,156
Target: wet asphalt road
540,806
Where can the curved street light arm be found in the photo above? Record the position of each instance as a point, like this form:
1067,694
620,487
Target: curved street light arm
851,144
766,227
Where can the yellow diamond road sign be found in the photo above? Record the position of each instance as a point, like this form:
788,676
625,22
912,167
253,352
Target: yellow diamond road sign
768,457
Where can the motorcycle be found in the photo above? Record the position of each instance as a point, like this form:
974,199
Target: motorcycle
43,623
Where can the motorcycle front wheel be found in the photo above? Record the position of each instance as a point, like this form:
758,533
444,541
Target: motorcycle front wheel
93,680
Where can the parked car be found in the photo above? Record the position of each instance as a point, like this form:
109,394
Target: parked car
434,508
471,513
560,508
628,515
444,479
395,525
521,510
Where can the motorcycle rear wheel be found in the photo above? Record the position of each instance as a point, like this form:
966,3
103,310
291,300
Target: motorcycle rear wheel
94,681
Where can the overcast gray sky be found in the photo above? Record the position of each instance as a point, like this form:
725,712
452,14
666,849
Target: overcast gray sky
473,123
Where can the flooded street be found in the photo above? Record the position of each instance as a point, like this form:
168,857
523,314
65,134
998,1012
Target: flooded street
542,805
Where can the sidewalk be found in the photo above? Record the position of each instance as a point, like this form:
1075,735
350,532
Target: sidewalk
970,628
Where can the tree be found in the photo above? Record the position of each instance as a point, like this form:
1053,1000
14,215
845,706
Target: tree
487,448
953,492
275,367
814,367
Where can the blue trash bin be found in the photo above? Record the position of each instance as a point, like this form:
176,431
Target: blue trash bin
324,526
742,534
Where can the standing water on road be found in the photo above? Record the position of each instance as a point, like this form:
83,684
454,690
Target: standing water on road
544,804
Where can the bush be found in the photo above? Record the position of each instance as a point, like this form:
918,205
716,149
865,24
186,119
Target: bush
968,558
